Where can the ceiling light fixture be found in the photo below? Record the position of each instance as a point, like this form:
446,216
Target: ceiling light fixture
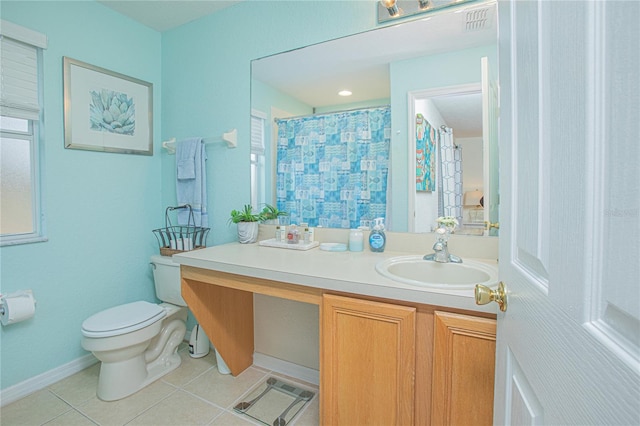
391,7
389,10
345,93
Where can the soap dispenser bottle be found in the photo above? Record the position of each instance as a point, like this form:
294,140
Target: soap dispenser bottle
377,238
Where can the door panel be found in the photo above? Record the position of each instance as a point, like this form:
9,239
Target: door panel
525,409
615,312
463,369
368,362
567,346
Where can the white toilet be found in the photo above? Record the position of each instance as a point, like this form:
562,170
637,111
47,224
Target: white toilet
138,342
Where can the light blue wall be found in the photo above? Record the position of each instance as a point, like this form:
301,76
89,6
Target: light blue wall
100,208
263,98
372,103
442,70
206,80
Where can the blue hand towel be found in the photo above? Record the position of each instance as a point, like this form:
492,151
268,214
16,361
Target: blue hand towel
186,158
191,181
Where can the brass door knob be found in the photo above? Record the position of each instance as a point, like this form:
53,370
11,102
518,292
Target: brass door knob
490,225
485,295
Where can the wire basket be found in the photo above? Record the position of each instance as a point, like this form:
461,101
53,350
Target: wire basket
174,239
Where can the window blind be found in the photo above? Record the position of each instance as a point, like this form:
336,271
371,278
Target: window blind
19,71
257,134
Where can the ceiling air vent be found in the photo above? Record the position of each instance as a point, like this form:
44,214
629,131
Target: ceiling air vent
477,19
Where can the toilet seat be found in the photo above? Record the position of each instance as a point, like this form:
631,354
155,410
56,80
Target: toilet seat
122,319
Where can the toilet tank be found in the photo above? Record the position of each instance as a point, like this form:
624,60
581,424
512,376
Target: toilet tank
166,276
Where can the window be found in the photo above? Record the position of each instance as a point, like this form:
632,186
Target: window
20,118
258,190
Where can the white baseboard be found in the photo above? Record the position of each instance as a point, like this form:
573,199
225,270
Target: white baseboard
285,367
41,381
278,365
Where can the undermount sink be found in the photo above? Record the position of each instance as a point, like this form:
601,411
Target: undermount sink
417,271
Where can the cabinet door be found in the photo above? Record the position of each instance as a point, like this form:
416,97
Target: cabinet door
463,369
368,362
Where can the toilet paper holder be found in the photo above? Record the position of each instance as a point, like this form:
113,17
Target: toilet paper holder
8,314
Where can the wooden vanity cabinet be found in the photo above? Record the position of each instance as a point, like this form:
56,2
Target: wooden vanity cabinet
382,362
389,364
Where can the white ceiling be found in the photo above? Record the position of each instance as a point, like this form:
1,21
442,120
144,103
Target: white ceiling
162,15
463,113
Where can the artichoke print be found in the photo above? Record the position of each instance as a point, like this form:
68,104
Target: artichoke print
112,112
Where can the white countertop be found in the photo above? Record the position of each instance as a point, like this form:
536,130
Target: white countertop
351,272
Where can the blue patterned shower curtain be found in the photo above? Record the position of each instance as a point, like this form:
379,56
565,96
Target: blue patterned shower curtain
332,169
450,182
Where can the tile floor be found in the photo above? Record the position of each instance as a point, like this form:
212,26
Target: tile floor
194,394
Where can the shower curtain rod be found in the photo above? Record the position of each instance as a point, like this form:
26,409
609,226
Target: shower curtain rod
446,129
275,119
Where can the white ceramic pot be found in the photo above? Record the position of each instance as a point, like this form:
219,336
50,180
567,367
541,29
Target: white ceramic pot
247,232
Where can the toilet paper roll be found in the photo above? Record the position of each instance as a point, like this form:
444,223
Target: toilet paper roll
17,307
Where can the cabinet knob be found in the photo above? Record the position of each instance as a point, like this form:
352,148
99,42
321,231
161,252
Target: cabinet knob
485,295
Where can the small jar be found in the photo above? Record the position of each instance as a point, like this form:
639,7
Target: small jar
293,235
356,240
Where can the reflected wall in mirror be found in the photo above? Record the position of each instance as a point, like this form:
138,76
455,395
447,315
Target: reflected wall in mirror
465,117
385,66
455,115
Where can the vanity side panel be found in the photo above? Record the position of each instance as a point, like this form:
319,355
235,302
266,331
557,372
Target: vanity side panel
424,362
226,316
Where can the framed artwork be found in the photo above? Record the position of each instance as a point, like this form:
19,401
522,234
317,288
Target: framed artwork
425,155
106,111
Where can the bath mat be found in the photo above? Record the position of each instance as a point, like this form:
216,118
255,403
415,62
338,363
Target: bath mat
274,402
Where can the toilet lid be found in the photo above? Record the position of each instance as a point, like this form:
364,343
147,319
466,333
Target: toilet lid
122,319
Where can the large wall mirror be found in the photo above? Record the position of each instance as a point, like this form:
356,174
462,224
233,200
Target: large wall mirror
440,69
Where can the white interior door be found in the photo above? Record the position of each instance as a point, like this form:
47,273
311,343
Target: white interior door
568,345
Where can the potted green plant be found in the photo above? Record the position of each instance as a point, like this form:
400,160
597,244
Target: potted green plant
271,214
247,222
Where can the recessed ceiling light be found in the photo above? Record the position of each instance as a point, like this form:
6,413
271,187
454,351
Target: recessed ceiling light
345,93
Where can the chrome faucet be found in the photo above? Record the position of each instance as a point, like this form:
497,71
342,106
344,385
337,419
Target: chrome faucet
441,249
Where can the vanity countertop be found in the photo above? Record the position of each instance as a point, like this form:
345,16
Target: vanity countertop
350,272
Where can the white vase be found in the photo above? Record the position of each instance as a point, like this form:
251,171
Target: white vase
247,232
